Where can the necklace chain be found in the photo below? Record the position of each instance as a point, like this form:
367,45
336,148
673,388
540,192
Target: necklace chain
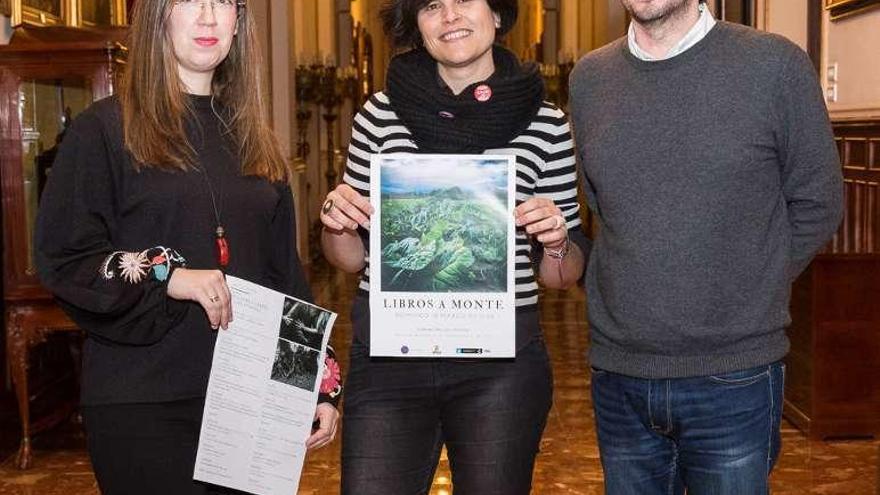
211,192
204,172
221,119
220,241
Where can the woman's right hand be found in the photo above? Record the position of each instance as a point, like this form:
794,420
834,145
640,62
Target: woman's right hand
345,209
206,287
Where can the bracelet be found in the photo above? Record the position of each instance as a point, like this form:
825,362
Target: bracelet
560,252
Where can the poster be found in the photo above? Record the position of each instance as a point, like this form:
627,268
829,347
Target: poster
442,250
263,391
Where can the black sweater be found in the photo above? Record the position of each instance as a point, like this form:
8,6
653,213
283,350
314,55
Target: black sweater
141,345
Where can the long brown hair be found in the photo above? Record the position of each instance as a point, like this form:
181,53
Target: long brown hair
155,106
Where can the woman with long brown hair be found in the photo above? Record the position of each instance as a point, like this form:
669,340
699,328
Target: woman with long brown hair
153,196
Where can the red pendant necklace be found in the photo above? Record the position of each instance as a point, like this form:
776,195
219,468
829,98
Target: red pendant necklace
222,245
220,241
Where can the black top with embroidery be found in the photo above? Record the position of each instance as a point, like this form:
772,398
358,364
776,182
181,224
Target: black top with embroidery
104,236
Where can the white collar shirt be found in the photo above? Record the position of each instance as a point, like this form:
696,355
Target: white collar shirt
699,31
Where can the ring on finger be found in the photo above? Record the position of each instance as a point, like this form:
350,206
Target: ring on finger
328,205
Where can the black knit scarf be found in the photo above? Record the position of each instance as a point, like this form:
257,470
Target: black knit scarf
442,122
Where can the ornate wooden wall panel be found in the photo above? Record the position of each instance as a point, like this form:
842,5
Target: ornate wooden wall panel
833,383
859,146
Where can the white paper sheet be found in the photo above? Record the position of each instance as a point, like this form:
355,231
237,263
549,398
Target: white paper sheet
263,391
442,256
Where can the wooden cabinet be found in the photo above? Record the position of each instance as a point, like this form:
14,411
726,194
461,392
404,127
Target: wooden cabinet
832,384
833,380
47,76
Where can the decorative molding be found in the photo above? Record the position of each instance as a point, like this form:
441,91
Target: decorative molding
845,8
849,113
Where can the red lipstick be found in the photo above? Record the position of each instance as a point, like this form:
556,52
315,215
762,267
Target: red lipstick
207,41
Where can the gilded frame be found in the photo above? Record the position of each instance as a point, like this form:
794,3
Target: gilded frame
845,8
23,13
118,13
26,12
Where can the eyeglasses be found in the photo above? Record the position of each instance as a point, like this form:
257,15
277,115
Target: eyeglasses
196,6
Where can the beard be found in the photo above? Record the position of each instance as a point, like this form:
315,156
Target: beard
658,12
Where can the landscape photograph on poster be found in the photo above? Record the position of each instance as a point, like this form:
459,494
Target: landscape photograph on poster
444,224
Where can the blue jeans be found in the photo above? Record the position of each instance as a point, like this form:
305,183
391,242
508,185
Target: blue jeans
712,435
399,412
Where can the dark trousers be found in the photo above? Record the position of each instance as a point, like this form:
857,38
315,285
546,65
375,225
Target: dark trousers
489,414
712,435
146,449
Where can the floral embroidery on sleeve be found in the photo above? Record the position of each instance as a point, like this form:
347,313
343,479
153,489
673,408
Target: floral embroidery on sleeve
133,267
331,381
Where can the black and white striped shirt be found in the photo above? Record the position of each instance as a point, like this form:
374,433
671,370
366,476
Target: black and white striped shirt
545,167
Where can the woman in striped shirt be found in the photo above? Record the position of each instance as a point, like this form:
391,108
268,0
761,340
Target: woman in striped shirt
456,92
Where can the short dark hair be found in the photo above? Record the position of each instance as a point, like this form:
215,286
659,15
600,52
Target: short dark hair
400,24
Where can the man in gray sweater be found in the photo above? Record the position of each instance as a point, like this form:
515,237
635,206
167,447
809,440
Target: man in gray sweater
711,166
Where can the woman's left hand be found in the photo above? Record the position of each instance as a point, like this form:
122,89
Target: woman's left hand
543,219
328,419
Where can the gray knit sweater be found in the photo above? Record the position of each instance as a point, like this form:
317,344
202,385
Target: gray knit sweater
715,180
